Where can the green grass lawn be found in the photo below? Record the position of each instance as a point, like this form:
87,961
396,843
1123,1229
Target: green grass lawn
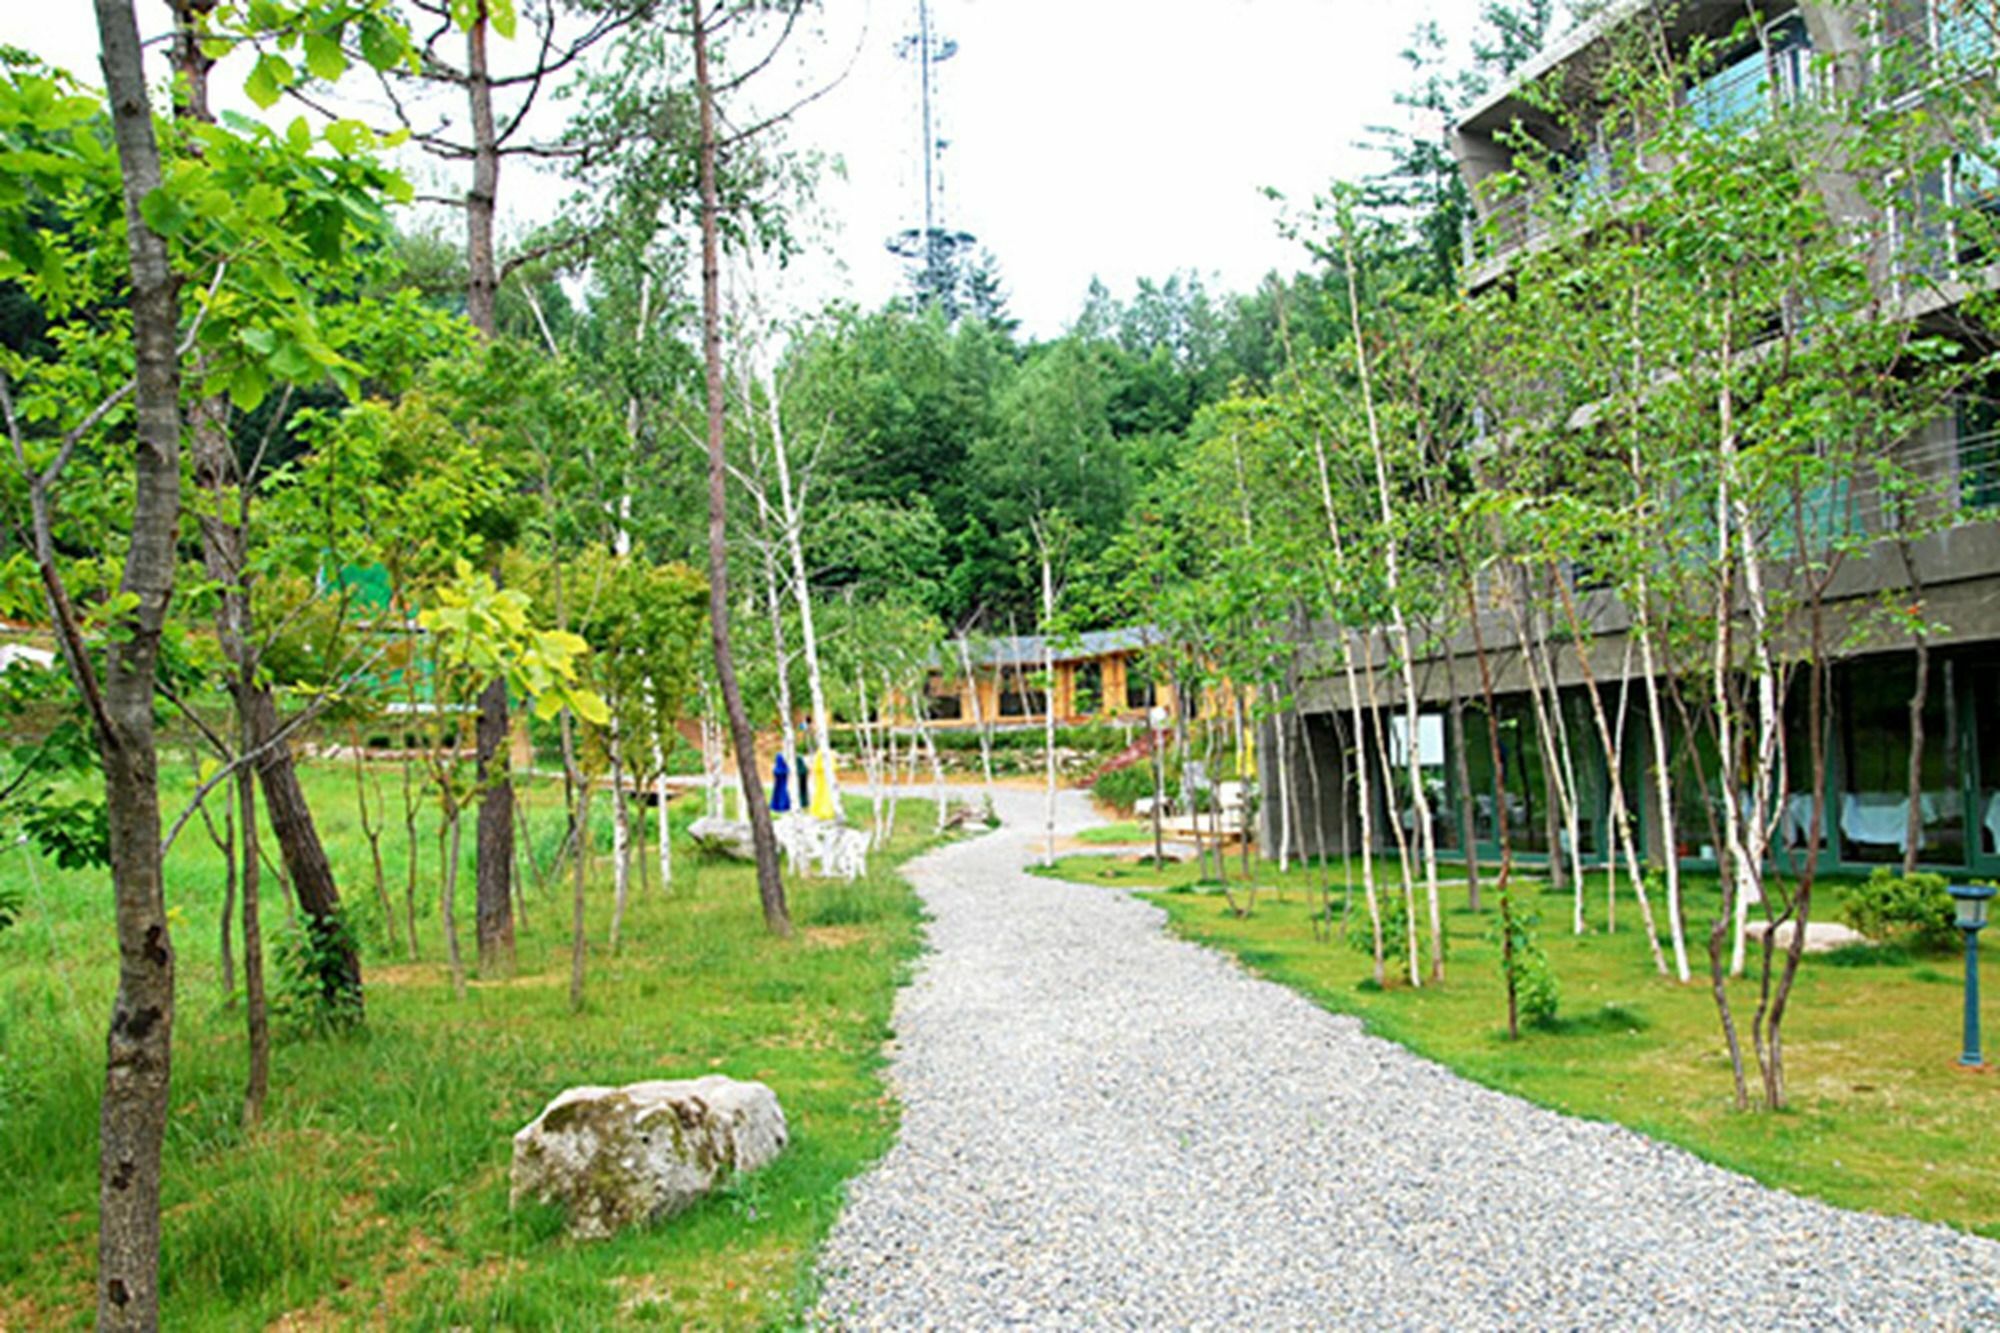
1881,1117
375,1195
1109,835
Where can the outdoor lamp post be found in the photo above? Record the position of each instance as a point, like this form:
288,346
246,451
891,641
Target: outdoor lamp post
1970,901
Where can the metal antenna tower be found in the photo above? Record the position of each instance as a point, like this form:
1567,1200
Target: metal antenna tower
932,249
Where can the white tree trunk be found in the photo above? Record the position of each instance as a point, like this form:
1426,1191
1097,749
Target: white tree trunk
1420,803
1663,787
660,795
621,834
978,720
1048,708
788,504
889,750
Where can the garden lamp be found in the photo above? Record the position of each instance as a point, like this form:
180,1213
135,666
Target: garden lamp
1969,915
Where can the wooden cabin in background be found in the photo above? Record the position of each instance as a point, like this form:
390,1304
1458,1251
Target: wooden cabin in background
1100,676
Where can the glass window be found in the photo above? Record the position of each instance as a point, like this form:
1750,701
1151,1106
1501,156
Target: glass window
1962,30
1431,761
1022,703
1736,95
1087,695
1978,423
1872,809
1983,679
1741,90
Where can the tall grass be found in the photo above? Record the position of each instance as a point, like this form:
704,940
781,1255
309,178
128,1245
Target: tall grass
375,1194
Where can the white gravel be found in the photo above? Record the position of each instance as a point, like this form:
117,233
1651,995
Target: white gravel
1104,1127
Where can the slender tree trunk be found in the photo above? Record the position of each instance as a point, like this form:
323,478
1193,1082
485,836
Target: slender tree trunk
139,1045
1504,885
579,870
1420,804
257,1015
1663,787
229,894
770,887
371,814
1613,758
978,721
1048,701
1913,832
1409,880
1468,831
794,526
1734,869
448,846
411,797
660,794
224,543
494,899
621,837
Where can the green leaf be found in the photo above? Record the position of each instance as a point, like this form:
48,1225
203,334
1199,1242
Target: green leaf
349,137
299,136
247,386
163,213
382,42
269,78
589,706
324,57
501,14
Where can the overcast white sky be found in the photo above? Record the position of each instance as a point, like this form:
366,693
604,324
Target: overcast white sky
1112,138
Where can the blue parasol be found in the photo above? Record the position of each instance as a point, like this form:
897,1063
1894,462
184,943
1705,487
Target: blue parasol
781,784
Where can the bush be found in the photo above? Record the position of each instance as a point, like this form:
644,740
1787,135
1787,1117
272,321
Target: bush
1892,908
1526,967
1395,930
1125,787
1536,995
315,996
10,905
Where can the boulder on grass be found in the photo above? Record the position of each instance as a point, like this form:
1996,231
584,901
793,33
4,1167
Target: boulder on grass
1821,936
723,837
616,1157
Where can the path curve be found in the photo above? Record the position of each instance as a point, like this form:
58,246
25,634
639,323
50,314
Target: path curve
1105,1127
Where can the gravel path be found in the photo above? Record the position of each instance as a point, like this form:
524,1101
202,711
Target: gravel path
1106,1127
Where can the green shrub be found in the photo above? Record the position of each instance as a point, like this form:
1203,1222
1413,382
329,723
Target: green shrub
1395,930
1891,908
1522,963
314,994
1536,995
1124,787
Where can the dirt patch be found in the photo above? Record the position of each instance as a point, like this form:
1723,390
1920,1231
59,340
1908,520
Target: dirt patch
408,974
834,937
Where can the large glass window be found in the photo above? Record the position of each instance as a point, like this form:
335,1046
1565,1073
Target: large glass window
1741,90
1982,678
1873,808
1023,702
1979,449
1431,764
1087,691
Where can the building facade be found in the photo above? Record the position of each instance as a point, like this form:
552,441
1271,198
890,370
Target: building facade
1781,53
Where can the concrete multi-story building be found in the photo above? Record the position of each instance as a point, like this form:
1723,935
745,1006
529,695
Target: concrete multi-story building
1760,55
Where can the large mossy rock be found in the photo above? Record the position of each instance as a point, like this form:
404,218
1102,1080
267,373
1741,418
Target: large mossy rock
616,1157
